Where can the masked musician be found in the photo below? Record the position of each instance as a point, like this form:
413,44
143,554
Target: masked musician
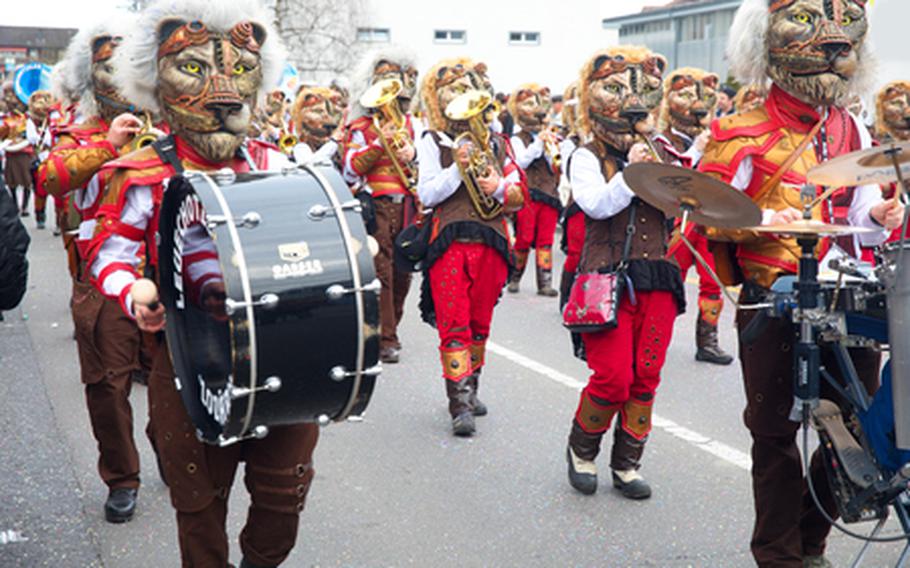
537,152
381,158
18,152
750,97
203,70
316,116
619,88
690,96
892,112
814,52
38,134
468,256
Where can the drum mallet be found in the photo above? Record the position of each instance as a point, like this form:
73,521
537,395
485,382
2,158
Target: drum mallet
145,292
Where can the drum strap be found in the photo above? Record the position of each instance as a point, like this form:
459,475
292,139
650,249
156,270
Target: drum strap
166,149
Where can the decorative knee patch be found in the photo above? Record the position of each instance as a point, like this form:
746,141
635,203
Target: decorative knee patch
280,490
636,418
710,310
478,353
594,417
521,259
545,258
456,362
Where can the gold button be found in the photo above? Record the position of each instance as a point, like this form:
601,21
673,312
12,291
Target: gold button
643,219
644,237
191,468
644,255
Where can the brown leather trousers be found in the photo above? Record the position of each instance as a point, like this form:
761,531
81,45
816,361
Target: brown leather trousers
395,283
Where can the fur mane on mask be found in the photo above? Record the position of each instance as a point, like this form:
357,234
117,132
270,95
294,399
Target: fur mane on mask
362,77
136,60
512,105
71,79
631,53
429,102
880,126
747,50
663,121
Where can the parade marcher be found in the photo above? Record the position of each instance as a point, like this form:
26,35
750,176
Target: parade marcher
686,114
750,98
386,170
537,152
202,68
618,89
467,260
38,129
892,112
815,54
726,105
316,117
107,340
17,170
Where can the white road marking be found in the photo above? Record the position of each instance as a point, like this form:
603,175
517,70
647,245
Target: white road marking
718,449
11,536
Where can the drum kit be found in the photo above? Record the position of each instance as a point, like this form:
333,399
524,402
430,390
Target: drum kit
860,306
271,298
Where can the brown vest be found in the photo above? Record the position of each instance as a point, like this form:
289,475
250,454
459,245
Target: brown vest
604,238
458,208
540,176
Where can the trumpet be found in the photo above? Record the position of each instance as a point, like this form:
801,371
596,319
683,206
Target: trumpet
472,107
383,97
287,142
147,135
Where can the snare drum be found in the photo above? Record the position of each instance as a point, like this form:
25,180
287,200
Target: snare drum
271,298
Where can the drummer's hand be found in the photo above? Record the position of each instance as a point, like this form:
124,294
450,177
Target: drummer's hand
212,300
640,153
149,320
122,129
785,216
887,214
701,141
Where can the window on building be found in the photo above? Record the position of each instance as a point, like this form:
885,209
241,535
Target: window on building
450,36
374,35
524,38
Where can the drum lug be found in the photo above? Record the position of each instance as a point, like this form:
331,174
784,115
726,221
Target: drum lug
250,220
337,291
320,212
267,301
258,432
339,373
271,384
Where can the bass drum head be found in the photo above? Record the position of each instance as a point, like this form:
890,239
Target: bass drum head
199,339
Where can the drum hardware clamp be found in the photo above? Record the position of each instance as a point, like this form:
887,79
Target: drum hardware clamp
337,291
319,212
224,176
250,220
267,301
339,373
257,432
271,384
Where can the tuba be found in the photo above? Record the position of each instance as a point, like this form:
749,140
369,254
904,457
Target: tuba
473,107
383,97
146,135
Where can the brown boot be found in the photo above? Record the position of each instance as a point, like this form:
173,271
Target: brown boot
477,407
521,261
708,349
459,394
625,459
545,283
583,448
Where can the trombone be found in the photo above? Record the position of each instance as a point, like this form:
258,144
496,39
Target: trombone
383,97
472,107
147,135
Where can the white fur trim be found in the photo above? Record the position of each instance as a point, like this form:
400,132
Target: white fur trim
137,58
362,77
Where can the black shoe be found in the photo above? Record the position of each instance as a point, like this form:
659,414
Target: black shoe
713,355
582,473
57,231
247,564
120,505
463,425
388,355
633,487
24,213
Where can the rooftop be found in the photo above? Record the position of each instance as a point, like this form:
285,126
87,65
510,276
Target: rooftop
35,37
674,8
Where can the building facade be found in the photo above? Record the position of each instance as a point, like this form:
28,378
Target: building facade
21,44
689,33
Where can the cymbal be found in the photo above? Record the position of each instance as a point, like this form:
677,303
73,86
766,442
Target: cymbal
710,202
872,166
811,228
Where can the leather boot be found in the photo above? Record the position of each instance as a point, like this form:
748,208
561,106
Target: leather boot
120,505
545,283
708,349
521,261
40,219
625,459
583,448
460,406
477,407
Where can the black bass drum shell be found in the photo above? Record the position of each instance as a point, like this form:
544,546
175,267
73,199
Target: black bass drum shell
292,255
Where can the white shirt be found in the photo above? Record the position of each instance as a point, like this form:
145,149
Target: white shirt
524,155
599,198
303,154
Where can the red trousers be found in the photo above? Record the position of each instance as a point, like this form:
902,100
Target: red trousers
626,361
710,300
535,225
575,241
465,282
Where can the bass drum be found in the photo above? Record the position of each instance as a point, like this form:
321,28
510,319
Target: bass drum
271,298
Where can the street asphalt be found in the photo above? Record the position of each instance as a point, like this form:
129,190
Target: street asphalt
398,489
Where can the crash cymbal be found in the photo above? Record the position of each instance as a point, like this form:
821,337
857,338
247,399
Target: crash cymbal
872,166
710,202
811,228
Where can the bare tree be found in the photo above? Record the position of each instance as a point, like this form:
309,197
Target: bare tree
321,35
